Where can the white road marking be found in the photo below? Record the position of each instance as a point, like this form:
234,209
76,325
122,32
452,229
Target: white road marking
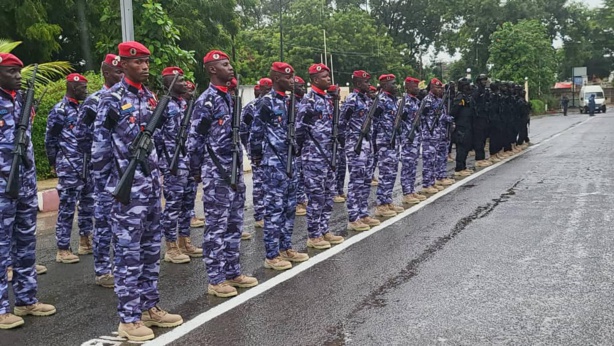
232,303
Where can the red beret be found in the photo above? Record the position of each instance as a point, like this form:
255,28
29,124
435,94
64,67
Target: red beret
111,60
298,80
173,70
265,82
282,67
190,85
436,81
257,87
75,77
412,80
372,88
215,55
386,77
317,68
361,74
132,49
8,59
233,84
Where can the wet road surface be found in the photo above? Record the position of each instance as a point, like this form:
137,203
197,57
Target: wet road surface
517,255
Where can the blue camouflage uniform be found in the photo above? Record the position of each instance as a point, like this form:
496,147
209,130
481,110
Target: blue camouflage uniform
431,142
341,171
353,114
103,201
247,117
387,156
443,144
177,189
63,152
301,196
269,142
123,111
210,151
410,151
314,133
17,216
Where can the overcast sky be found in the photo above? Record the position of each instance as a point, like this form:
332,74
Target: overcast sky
592,3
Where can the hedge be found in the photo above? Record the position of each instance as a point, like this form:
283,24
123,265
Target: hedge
55,92
538,107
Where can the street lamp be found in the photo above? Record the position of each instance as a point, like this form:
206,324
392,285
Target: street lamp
526,89
469,73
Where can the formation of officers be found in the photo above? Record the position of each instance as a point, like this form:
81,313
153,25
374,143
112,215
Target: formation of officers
291,135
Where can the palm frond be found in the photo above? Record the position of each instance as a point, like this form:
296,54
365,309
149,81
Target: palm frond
47,72
6,46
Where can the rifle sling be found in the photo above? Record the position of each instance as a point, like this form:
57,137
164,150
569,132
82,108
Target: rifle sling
217,164
320,150
275,151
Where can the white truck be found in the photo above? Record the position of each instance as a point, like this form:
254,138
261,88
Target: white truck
586,92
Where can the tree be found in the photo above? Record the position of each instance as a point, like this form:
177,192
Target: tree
524,50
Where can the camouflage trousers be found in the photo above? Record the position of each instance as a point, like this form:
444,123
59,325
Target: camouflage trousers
388,165
257,193
301,197
320,189
179,195
442,159
409,160
223,227
69,196
280,209
359,185
18,248
137,233
429,162
340,174
102,233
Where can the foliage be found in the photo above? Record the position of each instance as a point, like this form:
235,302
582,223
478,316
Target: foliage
537,107
524,50
551,101
55,92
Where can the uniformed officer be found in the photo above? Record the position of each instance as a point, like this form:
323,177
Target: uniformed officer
430,140
374,181
314,135
124,111
481,98
387,155
195,221
112,74
177,187
464,113
410,150
18,223
353,115
496,124
444,129
210,149
66,159
269,143
301,197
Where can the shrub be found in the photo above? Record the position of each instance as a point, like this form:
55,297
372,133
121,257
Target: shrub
55,92
537,107
553,102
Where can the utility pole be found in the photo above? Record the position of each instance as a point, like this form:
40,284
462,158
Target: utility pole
127,23
325,56
281,35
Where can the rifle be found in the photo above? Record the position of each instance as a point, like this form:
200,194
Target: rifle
182,136
140,148
40,99
236,140
416,122
291,135
439,110
366,124
397,120
20,150
335,130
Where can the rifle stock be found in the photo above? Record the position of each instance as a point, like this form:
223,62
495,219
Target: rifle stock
20,146
366,125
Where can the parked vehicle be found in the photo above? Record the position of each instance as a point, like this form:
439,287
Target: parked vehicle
585,94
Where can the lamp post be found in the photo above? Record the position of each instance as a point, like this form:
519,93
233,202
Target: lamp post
127,24
468,73
281,35
526,89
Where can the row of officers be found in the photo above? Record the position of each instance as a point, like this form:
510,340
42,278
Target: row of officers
300,143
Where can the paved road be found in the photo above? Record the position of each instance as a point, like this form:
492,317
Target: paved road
516,255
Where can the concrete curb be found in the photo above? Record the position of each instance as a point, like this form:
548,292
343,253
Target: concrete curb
48,200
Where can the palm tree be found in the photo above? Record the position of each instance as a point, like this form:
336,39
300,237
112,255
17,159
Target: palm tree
47,72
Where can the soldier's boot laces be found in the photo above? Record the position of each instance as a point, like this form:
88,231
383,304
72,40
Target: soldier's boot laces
66,256
9,321
358,226
222,290
37,309
136,331
368,220
293,256
186,247
333,239
277,263
174,255
156,317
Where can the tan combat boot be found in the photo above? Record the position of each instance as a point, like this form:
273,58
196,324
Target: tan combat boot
243,281
85,245
222,290
293,256
447,181
156,317
9,274
301,209
439,187
410,199
10,321
483,163
174,255
419,196
246,236
136,331
396,208
196,222
333,239
106,280
430,190
339,199
259,224
384,211
66,256
367,220
318,243
374,181
277,263
494,158
358,226
37,309
40,269
186,247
